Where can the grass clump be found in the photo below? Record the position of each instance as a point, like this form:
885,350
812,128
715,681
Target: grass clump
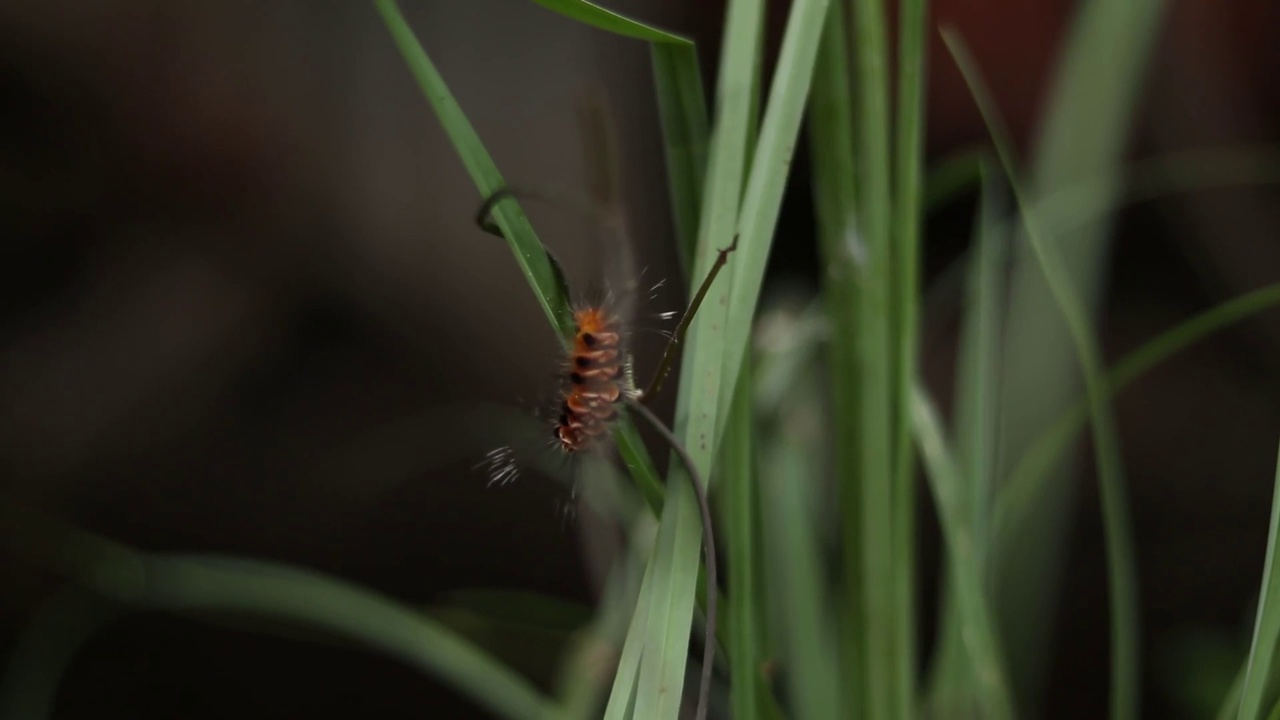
807,424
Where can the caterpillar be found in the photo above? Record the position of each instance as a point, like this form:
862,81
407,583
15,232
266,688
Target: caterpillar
598,380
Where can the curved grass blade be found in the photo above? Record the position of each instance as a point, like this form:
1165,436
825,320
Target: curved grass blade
610,21
977,402
1081,203
1032,468
978,628
978,396
196,585
1266,629
216,584
1084,130
1122,575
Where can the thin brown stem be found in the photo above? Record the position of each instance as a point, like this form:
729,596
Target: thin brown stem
669,355
708,545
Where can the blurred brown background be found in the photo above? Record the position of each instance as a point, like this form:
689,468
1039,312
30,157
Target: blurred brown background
241,292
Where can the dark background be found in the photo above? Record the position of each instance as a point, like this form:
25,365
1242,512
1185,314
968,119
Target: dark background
242,300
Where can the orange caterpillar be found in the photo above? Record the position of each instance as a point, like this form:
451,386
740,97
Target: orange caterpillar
598,380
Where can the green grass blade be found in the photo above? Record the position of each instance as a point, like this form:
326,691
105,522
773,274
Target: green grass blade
675,578
1266,629
1012,510
622,695
1121,573
211,584
530,255
788,348
789,486
634,455
831,145
762,199
1081,204
1231,703
757,91
977,396
1083,133
729,324
610,21
668,592
978,628
739,538
834,185
744,624
1105,60
888,693
260,590
979,391
704,370
907,217
1139,361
